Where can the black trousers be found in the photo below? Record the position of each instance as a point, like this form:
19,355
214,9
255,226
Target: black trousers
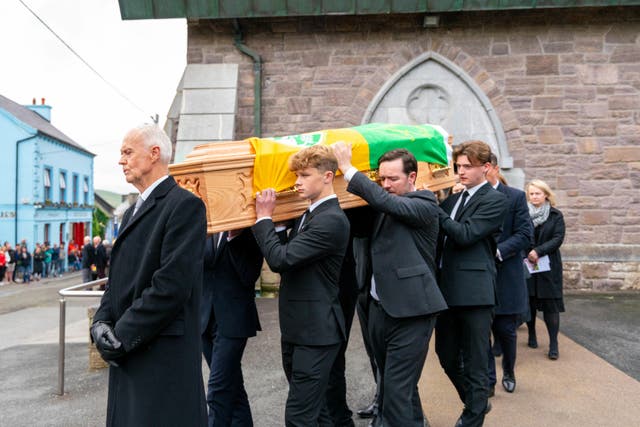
362,308
226,396
504,329
337,407
463,333
307,369
400,346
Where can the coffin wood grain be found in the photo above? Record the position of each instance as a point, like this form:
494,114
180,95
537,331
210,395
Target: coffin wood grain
221,174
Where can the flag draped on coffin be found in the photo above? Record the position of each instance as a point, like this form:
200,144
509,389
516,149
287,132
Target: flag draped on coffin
271,168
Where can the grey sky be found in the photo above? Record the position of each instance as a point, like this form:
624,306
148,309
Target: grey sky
143,59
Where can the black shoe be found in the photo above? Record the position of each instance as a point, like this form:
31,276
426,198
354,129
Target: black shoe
533,342
509,382
554,354
487,409
370,411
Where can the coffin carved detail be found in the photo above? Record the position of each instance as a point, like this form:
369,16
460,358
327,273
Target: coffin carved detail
221,174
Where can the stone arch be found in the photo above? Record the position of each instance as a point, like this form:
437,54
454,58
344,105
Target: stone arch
433,89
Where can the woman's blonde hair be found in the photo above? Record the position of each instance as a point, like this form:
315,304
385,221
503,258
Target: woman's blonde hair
538,183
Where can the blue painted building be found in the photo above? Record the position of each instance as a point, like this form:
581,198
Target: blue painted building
47,178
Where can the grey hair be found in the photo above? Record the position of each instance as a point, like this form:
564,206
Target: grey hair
152,135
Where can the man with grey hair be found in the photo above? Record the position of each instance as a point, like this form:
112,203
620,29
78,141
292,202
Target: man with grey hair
147,326
88,259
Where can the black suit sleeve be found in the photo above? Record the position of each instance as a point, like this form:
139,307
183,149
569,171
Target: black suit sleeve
412,211
246,257
485,220
522,237
314,243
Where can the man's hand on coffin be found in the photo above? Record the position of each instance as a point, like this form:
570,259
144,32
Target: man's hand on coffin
342,152
265,203
458,188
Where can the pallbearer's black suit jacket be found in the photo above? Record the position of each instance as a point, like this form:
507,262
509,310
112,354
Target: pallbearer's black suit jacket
228,289
468,270
403,243
309,264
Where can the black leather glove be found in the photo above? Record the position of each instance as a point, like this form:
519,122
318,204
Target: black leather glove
108,345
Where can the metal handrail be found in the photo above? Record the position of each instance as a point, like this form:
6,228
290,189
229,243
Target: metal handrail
72,291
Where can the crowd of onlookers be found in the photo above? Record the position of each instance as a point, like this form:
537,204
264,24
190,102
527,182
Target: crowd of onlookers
19,264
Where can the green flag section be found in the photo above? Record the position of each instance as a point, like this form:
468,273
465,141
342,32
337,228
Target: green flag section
368,142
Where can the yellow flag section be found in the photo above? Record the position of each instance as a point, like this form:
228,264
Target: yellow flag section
271,168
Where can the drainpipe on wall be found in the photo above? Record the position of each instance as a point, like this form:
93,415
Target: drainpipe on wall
257,73
15,233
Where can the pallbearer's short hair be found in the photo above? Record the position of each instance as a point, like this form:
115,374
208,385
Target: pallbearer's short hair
320,157
477,152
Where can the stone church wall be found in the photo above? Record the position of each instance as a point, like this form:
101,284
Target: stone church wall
564,83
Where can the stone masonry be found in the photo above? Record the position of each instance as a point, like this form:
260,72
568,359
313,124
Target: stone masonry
565,84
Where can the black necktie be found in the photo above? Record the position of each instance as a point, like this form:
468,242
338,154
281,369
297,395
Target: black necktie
463,199
304,219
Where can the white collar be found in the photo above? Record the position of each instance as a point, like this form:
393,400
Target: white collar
145,194
319,202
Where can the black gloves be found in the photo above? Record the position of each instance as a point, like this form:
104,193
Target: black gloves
107,343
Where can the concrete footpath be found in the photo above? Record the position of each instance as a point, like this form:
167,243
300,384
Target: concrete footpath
579,389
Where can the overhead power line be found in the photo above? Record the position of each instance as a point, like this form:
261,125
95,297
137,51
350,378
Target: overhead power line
111,85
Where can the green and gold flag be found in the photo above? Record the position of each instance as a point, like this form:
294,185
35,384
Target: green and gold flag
271,168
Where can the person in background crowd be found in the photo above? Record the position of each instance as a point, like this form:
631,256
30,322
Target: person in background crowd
48,254
511,287
72,255
17,264
62,256
11,263
77,256
38,263
100,257
88,260
55,257
25,264
545,288
3,265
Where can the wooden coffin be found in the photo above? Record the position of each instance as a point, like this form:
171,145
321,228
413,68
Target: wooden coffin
221,174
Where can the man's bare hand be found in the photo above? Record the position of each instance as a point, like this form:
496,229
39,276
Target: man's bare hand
265,203
342,152
457,188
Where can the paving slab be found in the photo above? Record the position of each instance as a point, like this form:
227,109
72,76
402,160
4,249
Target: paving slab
579,389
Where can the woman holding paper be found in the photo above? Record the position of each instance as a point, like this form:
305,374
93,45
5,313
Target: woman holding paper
545,283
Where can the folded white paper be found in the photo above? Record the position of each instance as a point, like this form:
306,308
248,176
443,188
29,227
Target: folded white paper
542,265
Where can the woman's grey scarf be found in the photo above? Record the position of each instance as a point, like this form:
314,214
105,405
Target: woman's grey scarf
539,215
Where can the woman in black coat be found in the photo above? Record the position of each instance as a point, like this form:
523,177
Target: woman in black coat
38,263
545,288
